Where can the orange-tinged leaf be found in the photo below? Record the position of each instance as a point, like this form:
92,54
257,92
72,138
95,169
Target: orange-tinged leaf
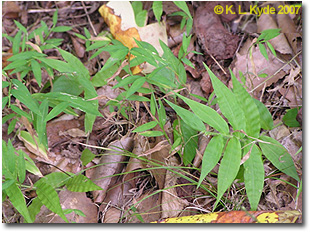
289,216
126,37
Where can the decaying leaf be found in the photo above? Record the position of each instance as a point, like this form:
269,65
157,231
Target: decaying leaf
71,200
258,64
279,43
120,18
111,163
238,217
211,33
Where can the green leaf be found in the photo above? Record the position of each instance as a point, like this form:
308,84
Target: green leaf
49,197
279,156
128,80
16,42
248,106
58,65
56,179
105,73
269,34
20,112
289,118
56,110
11,126
183,6
137,84
271,48
266,121
228,103
36,68
254,175
18,201
151,133
157,9
21,168
162,117
263,50
55,17
61,29
74,101
188,117
190,140
41,123
29,164
141,18
26,56
23,95
15,64
81,183
207,115
4,101
20,27
34,208
229,167
87,156
27,138
68,84
211,156
146,126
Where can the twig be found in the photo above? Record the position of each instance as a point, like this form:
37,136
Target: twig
91,24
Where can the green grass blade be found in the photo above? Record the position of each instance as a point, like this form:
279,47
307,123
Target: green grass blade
254,175
211,156
279,156
229,167
207,115
228,103
248,106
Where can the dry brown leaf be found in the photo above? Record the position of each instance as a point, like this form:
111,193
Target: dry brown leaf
71,200
149,208
212,35
171,204
112,163
78,47
289,29
279,43
261,65
112,215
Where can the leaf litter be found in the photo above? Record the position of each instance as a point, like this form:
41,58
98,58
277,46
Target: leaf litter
139,191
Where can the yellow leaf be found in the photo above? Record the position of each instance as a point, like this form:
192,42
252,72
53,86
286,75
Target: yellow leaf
289,216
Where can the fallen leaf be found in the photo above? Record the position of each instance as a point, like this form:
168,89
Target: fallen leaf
279,43
120,18
212,35
238,217
259,65
288,27
71,200
111,163
171,204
